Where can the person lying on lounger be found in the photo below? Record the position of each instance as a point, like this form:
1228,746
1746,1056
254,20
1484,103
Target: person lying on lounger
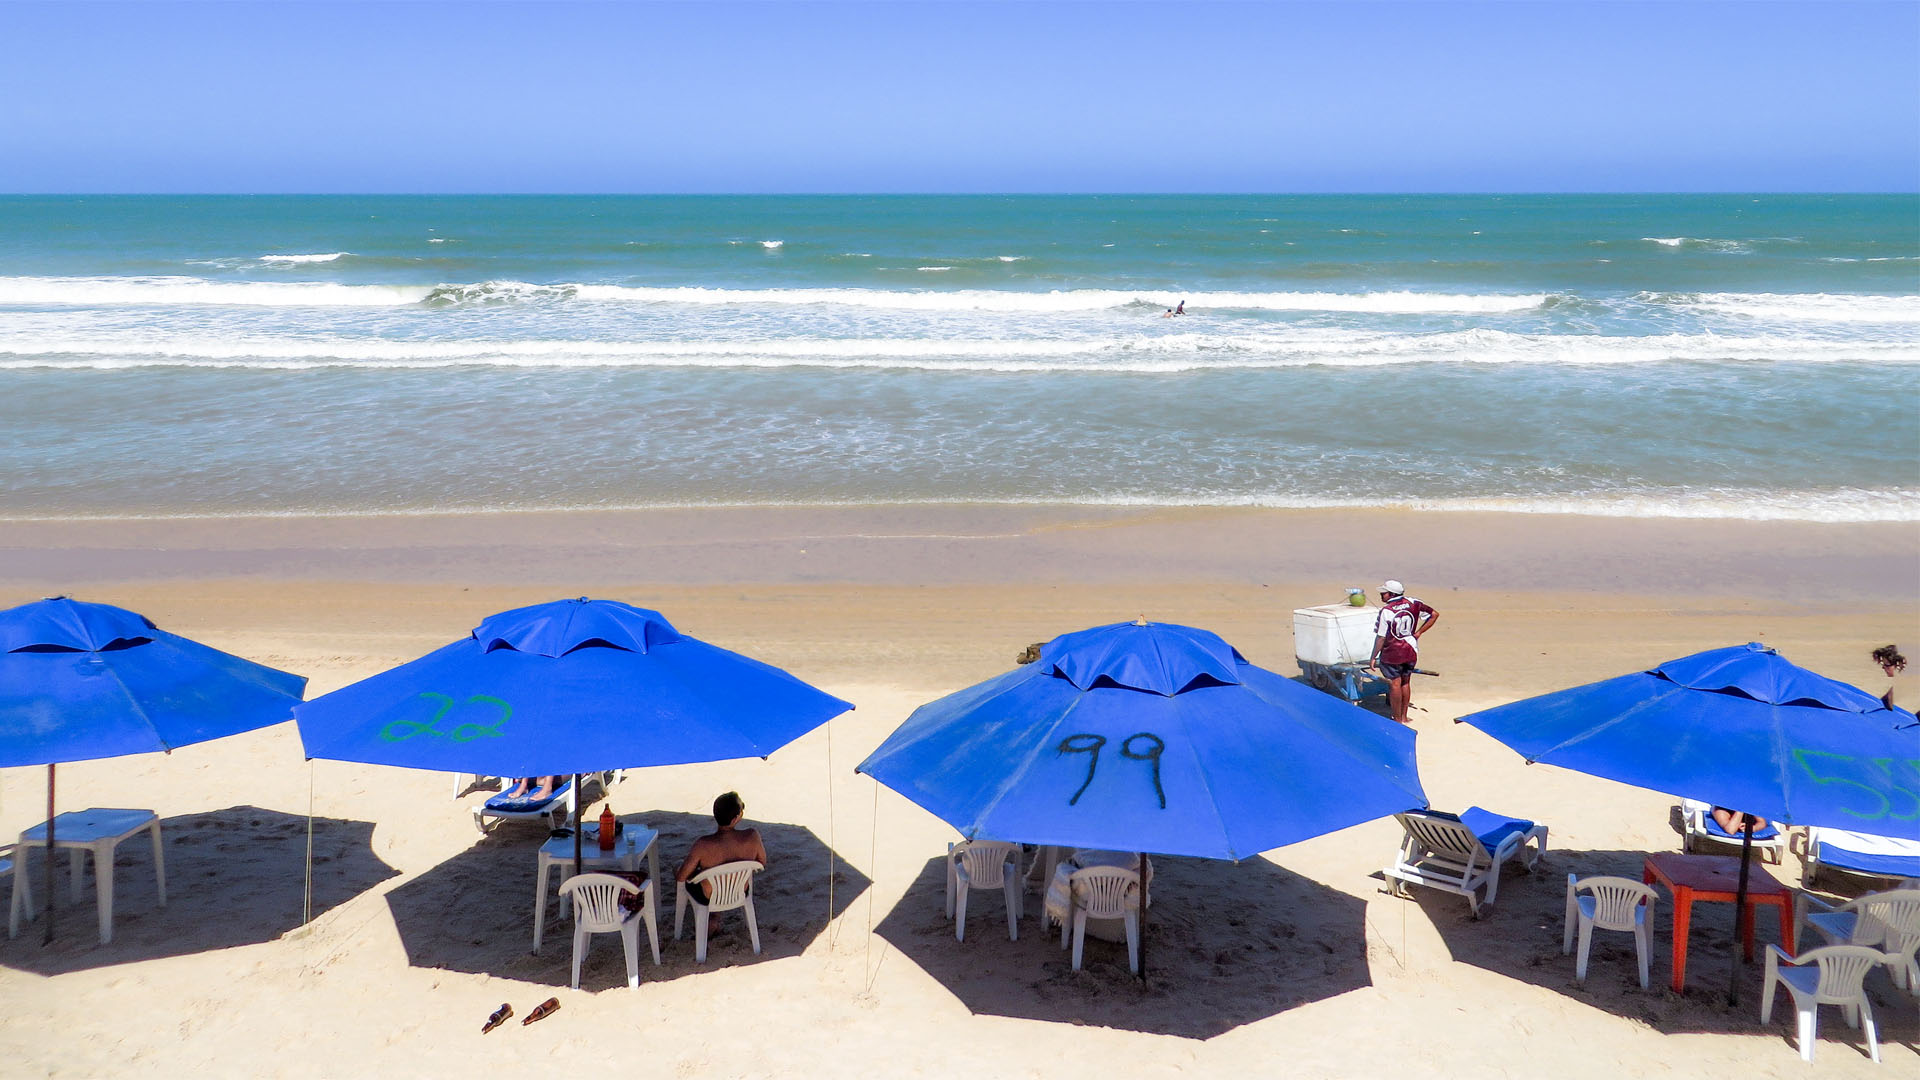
534,788
1732,821
728,843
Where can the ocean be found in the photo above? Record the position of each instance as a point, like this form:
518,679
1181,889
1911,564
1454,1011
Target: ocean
1739,356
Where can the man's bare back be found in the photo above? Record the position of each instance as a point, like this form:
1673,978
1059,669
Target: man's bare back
726,845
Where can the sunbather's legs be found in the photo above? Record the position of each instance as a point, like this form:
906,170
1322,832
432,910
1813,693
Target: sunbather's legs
520,788
546,787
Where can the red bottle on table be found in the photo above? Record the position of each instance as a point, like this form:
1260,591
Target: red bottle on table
606,828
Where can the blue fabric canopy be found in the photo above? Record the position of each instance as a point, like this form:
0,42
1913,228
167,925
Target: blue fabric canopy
81,681
1739,727
571,686
1149,737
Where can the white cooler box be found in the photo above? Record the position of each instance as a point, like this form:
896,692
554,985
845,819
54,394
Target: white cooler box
1334,634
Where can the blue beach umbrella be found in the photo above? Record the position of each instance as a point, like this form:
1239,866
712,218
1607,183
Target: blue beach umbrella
1148,737
1739,727
571,686
80,681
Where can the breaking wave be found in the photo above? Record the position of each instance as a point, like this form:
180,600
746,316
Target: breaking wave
1803,307
103,291
1111,355
294,259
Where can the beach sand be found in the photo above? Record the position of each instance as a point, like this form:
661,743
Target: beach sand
1295,963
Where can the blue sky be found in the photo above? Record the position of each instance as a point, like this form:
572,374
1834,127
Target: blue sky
631,97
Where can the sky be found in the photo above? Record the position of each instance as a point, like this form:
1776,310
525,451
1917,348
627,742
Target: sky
952,97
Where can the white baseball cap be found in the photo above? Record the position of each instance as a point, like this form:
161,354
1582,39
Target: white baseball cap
1394,587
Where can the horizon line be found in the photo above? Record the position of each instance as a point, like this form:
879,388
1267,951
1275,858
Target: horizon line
940,194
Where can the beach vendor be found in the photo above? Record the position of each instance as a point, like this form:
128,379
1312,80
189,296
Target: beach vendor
727,843
1396,643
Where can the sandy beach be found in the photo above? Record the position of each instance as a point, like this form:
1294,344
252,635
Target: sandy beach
1295,963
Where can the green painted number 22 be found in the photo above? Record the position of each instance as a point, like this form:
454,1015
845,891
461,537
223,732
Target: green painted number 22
401,730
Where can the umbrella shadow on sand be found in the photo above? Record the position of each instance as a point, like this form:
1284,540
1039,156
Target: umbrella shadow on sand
474,912
1227,944
234,877
1520,937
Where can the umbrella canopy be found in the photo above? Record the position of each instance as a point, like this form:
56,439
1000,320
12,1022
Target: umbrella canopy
1739,727
81,681
1148,737
571,686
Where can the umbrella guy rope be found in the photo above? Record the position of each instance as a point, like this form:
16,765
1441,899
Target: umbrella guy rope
833,932
873,886
306,902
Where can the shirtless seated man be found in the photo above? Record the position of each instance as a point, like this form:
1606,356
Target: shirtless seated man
728,843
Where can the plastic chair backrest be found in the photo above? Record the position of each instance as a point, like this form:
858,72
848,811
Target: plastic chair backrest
596,898
727,883
1895,914
1443,834
1105,892
1842,969
986,862
1614,899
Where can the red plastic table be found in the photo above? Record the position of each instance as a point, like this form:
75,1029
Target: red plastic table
1692,878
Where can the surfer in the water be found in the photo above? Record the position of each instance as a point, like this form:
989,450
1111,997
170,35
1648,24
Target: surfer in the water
1177,309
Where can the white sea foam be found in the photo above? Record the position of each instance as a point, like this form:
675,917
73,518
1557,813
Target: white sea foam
327,258
1801,307
773,245
1707,243
1843,506
933,269
100,291
1136,354
1011,258
1072,300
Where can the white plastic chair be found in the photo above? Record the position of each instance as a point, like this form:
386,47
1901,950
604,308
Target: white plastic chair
1826,976
1889,921
1610,903
16,867
1769,843
1442,851
596,910
1103,892
728,886
984,864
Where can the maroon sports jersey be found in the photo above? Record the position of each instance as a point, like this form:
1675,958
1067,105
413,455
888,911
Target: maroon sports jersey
1396,623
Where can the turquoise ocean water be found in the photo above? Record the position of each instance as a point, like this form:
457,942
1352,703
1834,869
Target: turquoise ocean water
1717,356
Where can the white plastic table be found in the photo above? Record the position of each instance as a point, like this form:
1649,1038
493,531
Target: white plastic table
99,831
635,840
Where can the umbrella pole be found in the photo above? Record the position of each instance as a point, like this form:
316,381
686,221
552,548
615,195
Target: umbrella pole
1741,916
48,939
576,824
1143,919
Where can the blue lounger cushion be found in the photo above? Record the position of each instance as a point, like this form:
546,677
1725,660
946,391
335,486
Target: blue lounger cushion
1493,829
502,803
1877,863
1714,830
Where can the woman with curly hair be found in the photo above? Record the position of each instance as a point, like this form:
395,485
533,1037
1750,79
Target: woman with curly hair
1901,694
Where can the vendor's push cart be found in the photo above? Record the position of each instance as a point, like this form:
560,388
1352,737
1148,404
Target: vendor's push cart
1331,643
